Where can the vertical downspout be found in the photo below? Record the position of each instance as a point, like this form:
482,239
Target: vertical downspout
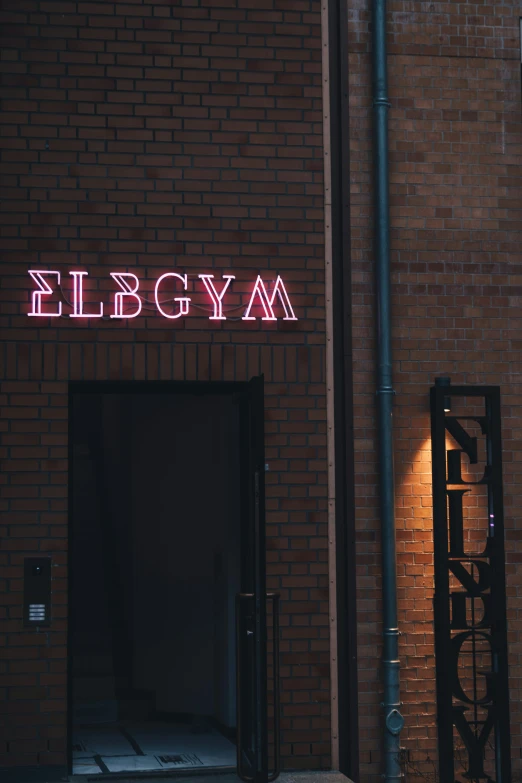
393,720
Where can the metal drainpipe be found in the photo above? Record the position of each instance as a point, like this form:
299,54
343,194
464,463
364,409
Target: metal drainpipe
393,720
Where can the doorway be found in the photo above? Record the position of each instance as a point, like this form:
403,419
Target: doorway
165,531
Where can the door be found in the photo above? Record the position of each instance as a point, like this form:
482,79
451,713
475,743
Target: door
251,603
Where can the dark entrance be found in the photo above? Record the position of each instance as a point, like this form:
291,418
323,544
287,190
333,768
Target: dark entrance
166,530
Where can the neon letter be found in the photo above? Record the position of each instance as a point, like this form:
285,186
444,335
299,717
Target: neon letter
126,290
44,290
183,300
280,289
260,290
268,302
217,299
78,298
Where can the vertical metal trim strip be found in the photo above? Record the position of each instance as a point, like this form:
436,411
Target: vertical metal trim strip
330,402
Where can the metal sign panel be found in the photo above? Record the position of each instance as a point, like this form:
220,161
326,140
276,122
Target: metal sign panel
470,587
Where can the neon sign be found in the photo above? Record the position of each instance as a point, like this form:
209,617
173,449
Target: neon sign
217,299
128,302
78,298
126,291
44,290
183,300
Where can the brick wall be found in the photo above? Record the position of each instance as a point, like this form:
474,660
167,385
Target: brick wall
150,136
455,138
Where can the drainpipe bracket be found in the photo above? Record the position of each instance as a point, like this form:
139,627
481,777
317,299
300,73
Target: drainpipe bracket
381,102
394,722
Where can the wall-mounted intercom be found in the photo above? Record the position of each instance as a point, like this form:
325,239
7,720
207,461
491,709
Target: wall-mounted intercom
37,591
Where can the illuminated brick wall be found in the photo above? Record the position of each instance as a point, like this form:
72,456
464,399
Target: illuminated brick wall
147,137
455,139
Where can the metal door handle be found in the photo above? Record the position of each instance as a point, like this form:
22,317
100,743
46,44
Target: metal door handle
274,597
277,686
239,739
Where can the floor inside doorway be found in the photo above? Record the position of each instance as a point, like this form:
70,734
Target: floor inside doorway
132,746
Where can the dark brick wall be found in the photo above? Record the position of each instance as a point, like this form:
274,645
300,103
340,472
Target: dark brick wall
148,137
455,155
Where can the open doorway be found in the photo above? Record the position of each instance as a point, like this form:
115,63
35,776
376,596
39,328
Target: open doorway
156,551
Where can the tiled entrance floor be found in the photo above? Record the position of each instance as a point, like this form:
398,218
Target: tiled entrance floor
129,746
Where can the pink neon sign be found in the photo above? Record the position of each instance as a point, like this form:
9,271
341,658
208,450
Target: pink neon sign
78,311
128,302
44,289
183,300
126,291
268,301
217,299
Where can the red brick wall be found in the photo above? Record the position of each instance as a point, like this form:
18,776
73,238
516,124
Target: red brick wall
151,136
455,139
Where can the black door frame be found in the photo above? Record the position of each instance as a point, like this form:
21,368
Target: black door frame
251,619
345,532
242,389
